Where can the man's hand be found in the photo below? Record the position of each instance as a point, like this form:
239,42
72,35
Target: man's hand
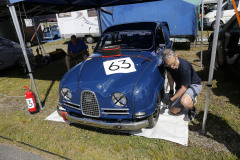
169,103
170,93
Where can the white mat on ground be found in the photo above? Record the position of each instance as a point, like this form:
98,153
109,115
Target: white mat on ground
168,127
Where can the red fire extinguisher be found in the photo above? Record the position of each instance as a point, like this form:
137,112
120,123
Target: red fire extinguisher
30,98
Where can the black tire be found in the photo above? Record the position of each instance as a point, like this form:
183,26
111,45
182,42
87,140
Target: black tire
213,24
89,39
152,119
55,37
28,44
21,66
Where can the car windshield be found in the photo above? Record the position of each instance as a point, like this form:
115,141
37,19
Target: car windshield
128,40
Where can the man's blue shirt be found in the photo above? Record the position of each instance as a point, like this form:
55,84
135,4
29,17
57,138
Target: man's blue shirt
184,74
79,47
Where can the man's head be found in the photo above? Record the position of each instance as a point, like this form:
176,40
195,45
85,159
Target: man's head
74,39
170,59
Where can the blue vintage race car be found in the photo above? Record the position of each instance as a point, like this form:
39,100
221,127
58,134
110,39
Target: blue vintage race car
121,84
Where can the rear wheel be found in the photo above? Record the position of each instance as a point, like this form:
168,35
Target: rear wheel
213,24
89,39
152,119
29,44
21,66
55,37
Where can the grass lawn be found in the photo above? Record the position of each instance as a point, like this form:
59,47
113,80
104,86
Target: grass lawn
56,140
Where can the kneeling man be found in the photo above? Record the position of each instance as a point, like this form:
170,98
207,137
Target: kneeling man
188,84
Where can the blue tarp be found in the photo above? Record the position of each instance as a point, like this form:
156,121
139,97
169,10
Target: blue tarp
180,15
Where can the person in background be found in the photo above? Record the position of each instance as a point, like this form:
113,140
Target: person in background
77,49
188,84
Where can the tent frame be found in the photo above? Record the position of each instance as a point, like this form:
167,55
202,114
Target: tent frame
20,37
209,85
212,63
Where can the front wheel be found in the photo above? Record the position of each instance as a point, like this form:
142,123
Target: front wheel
152,119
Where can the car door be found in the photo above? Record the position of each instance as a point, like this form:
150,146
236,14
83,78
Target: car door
159,39
6,53
231,43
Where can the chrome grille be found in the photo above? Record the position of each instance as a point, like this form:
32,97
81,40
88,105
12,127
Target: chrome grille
89,104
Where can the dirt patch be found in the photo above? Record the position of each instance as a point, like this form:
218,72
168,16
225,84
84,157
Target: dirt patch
11,104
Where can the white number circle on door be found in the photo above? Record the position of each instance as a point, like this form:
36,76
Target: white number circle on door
122,65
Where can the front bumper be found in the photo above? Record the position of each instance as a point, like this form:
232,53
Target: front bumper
106,125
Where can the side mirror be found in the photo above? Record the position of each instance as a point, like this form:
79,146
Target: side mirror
162,46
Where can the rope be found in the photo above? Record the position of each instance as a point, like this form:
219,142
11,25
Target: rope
18,96
10,96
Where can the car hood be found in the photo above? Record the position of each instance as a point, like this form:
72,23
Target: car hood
92,74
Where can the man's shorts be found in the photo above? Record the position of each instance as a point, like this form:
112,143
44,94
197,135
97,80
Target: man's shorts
193,90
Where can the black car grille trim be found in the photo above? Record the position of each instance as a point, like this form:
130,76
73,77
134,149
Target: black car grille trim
72,105
113,111
89,104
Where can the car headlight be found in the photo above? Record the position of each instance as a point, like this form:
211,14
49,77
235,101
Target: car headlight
119,99
66,93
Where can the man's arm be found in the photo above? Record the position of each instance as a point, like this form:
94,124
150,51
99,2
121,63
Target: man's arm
179,92
170,81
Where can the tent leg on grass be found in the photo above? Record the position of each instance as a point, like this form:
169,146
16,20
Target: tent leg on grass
202,33
19,33
211,70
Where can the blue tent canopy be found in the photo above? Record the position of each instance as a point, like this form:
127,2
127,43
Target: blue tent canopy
180,15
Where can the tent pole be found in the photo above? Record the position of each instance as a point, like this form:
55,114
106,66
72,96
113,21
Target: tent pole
34,25
202,32
38,39
19,33
100,19
210,77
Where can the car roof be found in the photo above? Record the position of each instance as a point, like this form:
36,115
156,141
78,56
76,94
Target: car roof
134,26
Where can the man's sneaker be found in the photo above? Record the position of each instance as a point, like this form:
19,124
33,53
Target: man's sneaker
190,115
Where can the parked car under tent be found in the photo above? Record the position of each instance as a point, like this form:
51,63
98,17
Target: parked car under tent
36,7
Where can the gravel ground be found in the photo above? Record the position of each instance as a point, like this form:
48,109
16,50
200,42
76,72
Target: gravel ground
15,153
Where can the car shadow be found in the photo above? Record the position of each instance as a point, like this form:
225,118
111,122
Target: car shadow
52,72
219,130
100,130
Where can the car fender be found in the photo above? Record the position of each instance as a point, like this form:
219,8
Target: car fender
70,79
147,89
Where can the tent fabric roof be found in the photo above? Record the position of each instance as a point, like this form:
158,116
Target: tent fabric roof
33,8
